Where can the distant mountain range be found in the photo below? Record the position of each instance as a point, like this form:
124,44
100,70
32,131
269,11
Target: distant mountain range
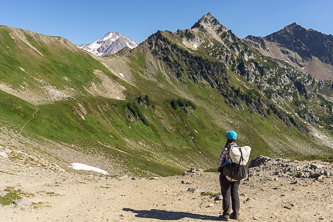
111,43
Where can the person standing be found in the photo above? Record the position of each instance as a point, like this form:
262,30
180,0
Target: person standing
228,188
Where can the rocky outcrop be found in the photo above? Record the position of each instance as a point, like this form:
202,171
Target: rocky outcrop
306,43
300,169
184,65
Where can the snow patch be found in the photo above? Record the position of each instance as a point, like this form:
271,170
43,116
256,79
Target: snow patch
81,166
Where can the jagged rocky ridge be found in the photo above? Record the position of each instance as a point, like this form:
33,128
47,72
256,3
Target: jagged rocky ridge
306,43
306,50
280,85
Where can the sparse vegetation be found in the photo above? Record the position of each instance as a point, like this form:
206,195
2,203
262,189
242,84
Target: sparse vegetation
211,194
11,196
145,101
137,113
295,175
182,103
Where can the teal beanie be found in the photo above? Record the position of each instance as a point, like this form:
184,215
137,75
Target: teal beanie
232,135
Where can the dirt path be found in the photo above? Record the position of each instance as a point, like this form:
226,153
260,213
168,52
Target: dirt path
55,195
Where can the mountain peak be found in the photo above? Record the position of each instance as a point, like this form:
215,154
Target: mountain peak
292,28
292,25
291,31
111,43
207,20
109,34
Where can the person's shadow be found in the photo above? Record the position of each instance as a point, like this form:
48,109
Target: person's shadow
168,215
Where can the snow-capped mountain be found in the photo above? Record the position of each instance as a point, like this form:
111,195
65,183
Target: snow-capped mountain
111,43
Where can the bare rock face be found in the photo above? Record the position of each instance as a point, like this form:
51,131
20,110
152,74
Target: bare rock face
305,49
209,21
306,43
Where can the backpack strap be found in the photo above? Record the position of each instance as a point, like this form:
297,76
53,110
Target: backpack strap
229,158
240,160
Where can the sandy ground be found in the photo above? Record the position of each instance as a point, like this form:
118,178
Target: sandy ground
52,194
62,196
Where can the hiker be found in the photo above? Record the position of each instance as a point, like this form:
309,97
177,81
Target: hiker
228,188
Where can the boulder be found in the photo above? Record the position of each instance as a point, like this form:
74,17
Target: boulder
22,202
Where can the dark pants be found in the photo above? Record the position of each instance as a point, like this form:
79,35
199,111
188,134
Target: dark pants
229,189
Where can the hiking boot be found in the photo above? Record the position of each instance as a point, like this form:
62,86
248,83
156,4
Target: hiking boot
234,216
224,217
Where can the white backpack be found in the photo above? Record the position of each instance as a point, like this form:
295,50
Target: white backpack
237,152
237,169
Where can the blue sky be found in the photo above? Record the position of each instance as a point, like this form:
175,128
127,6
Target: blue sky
86,21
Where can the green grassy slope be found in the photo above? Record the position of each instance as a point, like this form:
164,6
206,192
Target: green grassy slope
21,66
